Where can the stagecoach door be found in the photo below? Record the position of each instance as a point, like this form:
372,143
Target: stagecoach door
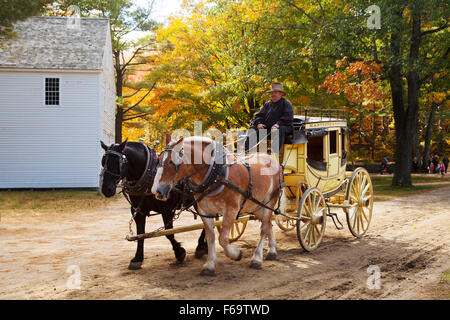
333,152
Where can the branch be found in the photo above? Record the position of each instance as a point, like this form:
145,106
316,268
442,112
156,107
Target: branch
321,8
129,61
133,93
436,67
145,96
138,116
445,26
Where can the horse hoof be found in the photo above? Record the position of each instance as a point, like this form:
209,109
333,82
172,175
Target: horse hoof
256,265
181,255
200,253
208,273
135,265
271,256
240,256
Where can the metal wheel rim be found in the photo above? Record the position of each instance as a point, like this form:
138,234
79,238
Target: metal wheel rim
236,231
310,231
284,223
359,194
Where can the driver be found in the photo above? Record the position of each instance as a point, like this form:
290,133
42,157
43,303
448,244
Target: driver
276,115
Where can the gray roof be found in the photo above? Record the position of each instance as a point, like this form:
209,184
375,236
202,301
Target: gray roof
56,43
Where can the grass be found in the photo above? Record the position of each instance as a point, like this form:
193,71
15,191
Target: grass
57,201
76,200
383,190
415,179
382,193
442,289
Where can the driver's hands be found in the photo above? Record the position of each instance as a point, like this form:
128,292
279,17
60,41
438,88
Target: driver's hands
261,126
275,127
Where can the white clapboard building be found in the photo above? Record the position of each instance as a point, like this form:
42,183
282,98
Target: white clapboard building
57,101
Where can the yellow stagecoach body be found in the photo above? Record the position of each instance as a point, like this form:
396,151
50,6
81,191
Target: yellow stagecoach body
315,156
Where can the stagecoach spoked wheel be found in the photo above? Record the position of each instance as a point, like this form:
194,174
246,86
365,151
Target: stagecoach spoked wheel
360,197
237,230
285,223
312,216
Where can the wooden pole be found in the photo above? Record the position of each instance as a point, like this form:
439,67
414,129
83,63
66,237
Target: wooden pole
181,229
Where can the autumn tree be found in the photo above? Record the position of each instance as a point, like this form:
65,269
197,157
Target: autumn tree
15,10
411,45
125,17
221,57
360,83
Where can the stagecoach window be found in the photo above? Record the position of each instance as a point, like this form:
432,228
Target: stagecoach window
52,91
333,141
315,148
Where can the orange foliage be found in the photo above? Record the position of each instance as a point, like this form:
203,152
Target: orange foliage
359,81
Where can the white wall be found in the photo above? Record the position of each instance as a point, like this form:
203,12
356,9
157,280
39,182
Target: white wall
49,146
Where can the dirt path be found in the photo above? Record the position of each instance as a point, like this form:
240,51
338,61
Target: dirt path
408,241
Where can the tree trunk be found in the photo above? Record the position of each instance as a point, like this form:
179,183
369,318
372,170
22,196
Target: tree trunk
405,119
429,132
360,129
373,133
440,138
396,82
119,94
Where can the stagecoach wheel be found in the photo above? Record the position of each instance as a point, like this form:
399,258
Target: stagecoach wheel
360,196
285,223
312,216
237,230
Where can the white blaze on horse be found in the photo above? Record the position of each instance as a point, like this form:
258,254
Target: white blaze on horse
223,186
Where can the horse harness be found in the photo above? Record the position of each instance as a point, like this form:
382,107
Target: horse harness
215,181
143,185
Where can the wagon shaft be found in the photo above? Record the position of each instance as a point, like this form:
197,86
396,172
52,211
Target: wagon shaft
182,229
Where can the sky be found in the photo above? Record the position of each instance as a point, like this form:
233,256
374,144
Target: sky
162,8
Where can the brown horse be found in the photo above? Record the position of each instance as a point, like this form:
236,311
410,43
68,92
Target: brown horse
192,159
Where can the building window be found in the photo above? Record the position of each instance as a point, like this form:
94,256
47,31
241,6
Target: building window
52,91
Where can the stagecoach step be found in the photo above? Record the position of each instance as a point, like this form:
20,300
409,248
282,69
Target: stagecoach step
334,216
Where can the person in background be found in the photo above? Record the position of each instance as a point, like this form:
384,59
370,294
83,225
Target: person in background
435,162
385,165
445,162
442,169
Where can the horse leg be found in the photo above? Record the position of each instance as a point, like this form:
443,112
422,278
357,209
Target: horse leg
265,230
230,251
136,262
272,254
209,268
202,247
180,252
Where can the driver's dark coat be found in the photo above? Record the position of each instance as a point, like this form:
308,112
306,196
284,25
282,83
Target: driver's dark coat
280,113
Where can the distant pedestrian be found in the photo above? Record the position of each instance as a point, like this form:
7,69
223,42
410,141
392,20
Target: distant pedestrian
442,168
415,165
445,161
385,166
435,162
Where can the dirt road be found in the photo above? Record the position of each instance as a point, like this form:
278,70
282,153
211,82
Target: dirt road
42,256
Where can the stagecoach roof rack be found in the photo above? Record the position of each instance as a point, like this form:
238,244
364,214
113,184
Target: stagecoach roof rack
309,115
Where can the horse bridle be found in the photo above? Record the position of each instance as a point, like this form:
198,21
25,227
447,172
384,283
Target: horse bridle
177,165
123,165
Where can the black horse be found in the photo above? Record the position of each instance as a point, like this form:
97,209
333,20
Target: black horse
128,161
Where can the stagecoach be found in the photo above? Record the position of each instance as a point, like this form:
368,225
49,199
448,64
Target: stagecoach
316,182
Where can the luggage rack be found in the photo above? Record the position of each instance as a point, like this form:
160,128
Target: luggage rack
308,115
